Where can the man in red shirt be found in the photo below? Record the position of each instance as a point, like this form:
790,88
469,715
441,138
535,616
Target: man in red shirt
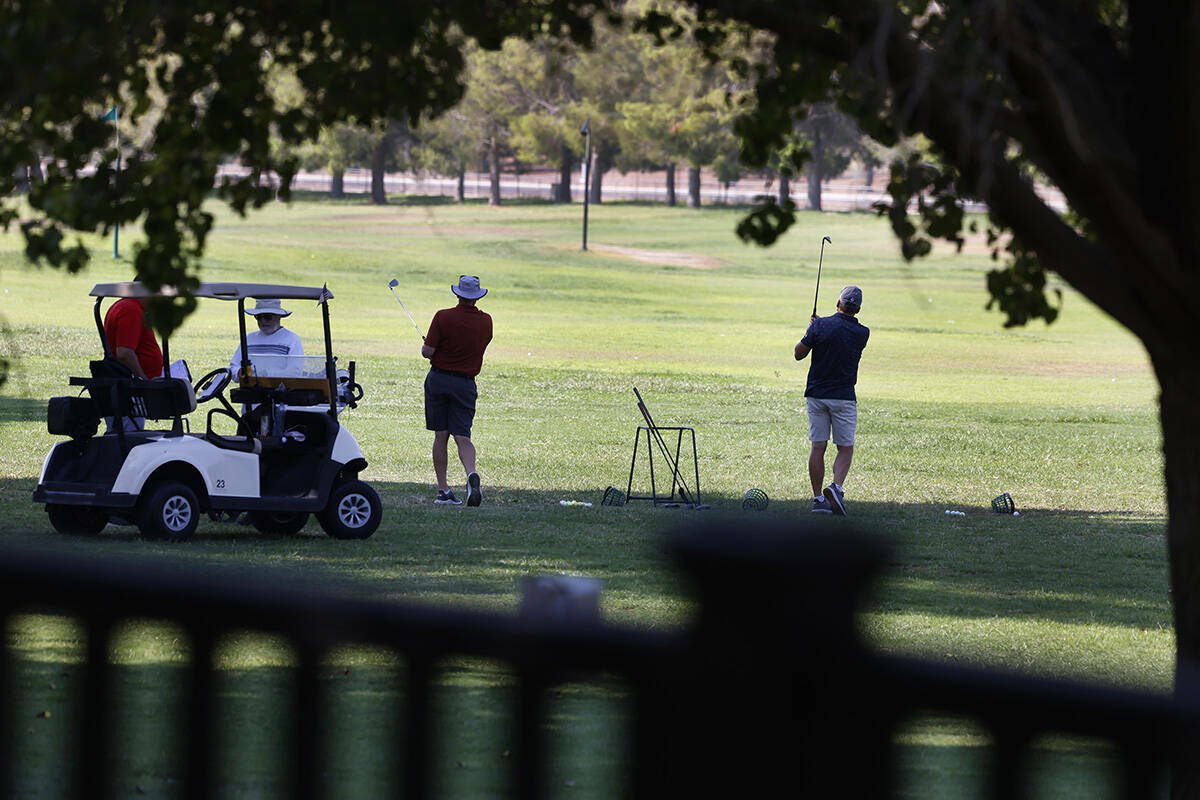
454,346
131,341
133,344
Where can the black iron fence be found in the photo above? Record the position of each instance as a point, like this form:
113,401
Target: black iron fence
769,692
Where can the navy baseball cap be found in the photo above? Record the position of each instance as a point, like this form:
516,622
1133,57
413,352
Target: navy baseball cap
851,296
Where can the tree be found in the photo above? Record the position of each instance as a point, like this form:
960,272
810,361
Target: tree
445,145
831,140
1097,98
391,144
704,133
688,102
210,64
548,130
493,96
337,148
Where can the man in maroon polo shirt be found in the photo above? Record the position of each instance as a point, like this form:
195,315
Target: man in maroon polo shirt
454,346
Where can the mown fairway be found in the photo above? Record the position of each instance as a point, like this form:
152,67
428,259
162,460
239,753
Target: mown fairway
954,410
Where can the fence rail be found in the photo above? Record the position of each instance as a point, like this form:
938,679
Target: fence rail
849,193
769,691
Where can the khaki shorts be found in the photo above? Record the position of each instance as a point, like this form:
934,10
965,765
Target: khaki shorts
839,415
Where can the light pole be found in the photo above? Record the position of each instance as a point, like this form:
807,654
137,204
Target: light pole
586,130
114,114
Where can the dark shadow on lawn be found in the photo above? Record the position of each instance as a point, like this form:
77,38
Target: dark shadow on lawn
1110,567
22,409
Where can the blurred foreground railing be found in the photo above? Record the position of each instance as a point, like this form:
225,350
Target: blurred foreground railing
768,693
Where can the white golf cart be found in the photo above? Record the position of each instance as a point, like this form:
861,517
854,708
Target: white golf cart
282,457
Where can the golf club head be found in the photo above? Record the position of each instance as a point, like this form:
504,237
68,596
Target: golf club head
393,283
827,239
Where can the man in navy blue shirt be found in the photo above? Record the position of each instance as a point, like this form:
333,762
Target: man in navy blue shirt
836,344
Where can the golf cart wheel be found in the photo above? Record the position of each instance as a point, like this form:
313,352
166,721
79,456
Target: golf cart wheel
353,512
170,511
82,520
282,523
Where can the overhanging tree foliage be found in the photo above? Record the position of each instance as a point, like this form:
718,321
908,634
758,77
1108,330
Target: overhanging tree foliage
64,64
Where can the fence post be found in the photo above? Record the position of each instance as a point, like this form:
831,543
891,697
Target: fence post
769,697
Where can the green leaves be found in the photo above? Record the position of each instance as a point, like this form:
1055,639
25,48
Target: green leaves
201,85
767,223
1019,290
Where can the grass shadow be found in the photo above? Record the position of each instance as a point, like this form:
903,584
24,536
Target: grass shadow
1073,567
22,409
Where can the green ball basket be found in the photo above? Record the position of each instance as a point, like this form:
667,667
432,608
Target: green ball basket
613,497
755,500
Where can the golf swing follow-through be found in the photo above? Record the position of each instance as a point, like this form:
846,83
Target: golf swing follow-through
836,344
455,345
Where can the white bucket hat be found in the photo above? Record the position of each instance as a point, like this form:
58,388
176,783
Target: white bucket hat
271,306
468,288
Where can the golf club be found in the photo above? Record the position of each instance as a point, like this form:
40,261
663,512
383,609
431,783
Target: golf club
819,262
392,284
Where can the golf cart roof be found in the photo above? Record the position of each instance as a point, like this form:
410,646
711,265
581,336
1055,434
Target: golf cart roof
217,291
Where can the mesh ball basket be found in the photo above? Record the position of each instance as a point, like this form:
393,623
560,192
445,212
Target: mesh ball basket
755,500
613,497
1004,504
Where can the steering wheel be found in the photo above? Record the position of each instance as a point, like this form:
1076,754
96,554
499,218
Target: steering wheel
212,384
348,392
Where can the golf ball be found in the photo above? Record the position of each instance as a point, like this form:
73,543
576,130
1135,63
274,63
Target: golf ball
1016,513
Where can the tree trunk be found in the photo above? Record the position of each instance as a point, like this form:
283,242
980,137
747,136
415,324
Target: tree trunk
1179,382
493,172
460,188
337,184
870,173
378,163
693,200
596,181
671,184
814,173
564,176
785,189
814,187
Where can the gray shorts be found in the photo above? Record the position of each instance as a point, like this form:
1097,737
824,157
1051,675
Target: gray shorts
840,416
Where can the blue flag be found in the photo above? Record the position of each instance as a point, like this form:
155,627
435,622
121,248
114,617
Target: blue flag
112,114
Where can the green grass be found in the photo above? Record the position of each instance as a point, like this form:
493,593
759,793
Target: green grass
954,410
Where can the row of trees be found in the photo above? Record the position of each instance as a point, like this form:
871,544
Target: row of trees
650,104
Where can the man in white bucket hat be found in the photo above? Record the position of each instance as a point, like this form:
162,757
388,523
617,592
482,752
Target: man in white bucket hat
454,346
271,345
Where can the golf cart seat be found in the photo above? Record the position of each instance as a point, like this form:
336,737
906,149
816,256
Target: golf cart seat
115,392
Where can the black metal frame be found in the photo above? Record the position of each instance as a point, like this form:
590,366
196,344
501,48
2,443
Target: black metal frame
676,488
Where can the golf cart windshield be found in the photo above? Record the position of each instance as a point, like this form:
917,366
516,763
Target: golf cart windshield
275,366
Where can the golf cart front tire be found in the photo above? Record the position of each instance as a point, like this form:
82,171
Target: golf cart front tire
354,511
170,511
79,520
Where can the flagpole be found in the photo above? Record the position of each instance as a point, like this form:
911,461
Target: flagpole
117,177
